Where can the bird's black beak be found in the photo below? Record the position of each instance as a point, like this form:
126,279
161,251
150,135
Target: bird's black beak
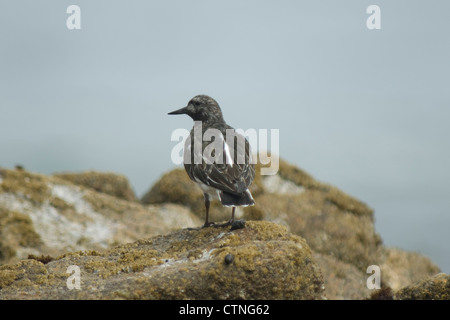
179,111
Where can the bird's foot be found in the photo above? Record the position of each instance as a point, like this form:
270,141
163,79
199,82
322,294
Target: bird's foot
220,225
235,224
207,224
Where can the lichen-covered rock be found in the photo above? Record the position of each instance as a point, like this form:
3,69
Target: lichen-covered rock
434,288
327,228
260,261
110,183
398,269
401,268
48,215
176,187
342,280
337,227
332,222
16,231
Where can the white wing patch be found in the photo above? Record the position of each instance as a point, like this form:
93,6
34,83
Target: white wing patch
229,158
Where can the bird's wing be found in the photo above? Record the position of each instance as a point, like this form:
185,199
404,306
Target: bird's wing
233,174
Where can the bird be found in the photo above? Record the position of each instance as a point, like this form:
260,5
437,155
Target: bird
225,173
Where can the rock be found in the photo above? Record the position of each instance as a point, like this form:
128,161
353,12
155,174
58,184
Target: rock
314,210
110,183
45,217
16,232
431,288
401,268
327,228
175,187
268,263
342,280
398,269
434,288
332,222
48,215
384,293
338,228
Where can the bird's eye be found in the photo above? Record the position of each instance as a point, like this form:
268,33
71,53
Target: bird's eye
196,103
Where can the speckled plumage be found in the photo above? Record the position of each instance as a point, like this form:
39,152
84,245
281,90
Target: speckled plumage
228,177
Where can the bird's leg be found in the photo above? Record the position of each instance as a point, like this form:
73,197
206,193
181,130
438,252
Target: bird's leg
230,222
232,216
207,223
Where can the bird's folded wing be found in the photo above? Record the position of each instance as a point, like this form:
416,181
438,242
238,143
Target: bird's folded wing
234,174
234,179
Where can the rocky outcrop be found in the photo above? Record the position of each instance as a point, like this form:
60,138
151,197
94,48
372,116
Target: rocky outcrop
260,261
48,215
434,288
106,182
338,228
401,268
145,251
317,211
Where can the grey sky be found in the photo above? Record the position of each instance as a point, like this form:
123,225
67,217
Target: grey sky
365,110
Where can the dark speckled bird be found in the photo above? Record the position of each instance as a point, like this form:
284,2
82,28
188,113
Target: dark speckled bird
225,173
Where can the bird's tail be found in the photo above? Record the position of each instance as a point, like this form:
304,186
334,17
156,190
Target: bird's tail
237,200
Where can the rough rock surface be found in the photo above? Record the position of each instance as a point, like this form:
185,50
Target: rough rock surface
260,261
110,183
338,228
434,288
343,280
401,268
48,215
316,211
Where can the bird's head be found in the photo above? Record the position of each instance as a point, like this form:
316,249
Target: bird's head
201,108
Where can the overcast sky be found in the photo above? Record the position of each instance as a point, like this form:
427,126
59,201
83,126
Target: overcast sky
364,110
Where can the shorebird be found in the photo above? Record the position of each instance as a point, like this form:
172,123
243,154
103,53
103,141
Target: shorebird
225,173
